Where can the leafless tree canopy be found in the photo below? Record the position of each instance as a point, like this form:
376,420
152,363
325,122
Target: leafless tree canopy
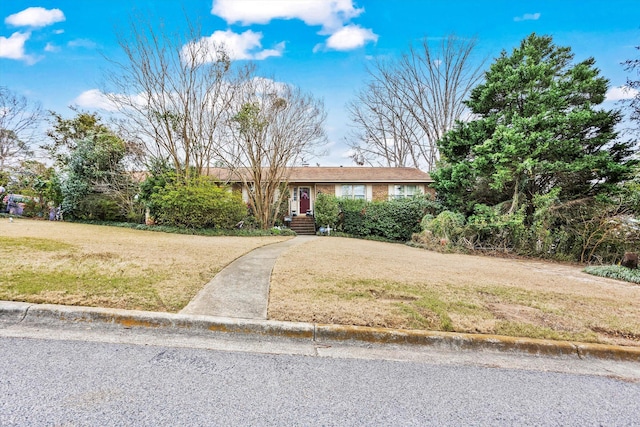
186,102
274,125
409,103
19,120
174,93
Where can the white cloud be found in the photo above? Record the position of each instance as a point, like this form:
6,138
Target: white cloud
13,47
330,14
50,47
96,99
350,37
58,32
35,17
85,43
621,92
528,17
93,98
245,45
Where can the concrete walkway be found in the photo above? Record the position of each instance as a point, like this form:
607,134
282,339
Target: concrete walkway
241,289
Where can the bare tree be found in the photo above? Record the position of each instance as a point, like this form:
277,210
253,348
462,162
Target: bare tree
19,120
173,91
409,103
274,126
387,134
633,84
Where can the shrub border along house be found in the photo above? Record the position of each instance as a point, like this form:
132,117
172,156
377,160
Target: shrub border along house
360,182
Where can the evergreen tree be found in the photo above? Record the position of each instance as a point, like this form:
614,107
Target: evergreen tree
538,127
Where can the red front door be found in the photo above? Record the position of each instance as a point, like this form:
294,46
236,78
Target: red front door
305,200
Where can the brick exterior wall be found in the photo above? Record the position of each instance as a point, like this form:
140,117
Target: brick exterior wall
329,189
430,190
380,192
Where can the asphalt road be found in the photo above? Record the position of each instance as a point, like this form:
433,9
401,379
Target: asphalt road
66,380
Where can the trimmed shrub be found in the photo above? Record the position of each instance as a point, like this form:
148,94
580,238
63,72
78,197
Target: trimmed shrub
393,220
326,210
352,214
200,203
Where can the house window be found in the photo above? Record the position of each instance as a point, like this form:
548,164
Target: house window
351,191
403,191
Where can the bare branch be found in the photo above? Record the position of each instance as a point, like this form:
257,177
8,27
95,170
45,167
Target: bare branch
174,93
408,104
19,120
274,126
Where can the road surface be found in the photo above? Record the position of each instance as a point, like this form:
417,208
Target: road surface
133,377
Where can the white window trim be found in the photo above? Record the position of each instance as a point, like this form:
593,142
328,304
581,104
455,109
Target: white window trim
366,195
392,190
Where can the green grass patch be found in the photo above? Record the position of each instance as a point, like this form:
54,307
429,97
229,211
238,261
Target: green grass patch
439,308
512,295
519,329
27,244
135,291
615,272
423,306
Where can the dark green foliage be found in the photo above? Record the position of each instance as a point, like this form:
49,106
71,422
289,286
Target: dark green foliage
161,174
30,209
538,128
326,210
199,203
96,206
93,167
540,171
395,219
352,217
94,180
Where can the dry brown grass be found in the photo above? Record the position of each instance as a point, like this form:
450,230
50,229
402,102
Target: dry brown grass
359,282
65,263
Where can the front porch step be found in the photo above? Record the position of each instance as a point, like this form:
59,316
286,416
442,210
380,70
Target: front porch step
305,225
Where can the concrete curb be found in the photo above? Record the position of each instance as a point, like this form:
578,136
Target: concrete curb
46,314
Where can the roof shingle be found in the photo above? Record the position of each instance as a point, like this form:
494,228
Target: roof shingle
351,174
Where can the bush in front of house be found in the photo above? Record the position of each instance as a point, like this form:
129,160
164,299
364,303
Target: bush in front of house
199,203
352,214
395,219
447,225
326,210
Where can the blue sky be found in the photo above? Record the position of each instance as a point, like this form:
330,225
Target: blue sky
53,51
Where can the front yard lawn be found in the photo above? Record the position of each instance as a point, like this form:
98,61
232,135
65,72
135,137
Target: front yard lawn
361,282
92,265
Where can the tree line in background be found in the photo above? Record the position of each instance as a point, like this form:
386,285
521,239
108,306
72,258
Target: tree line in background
523,156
